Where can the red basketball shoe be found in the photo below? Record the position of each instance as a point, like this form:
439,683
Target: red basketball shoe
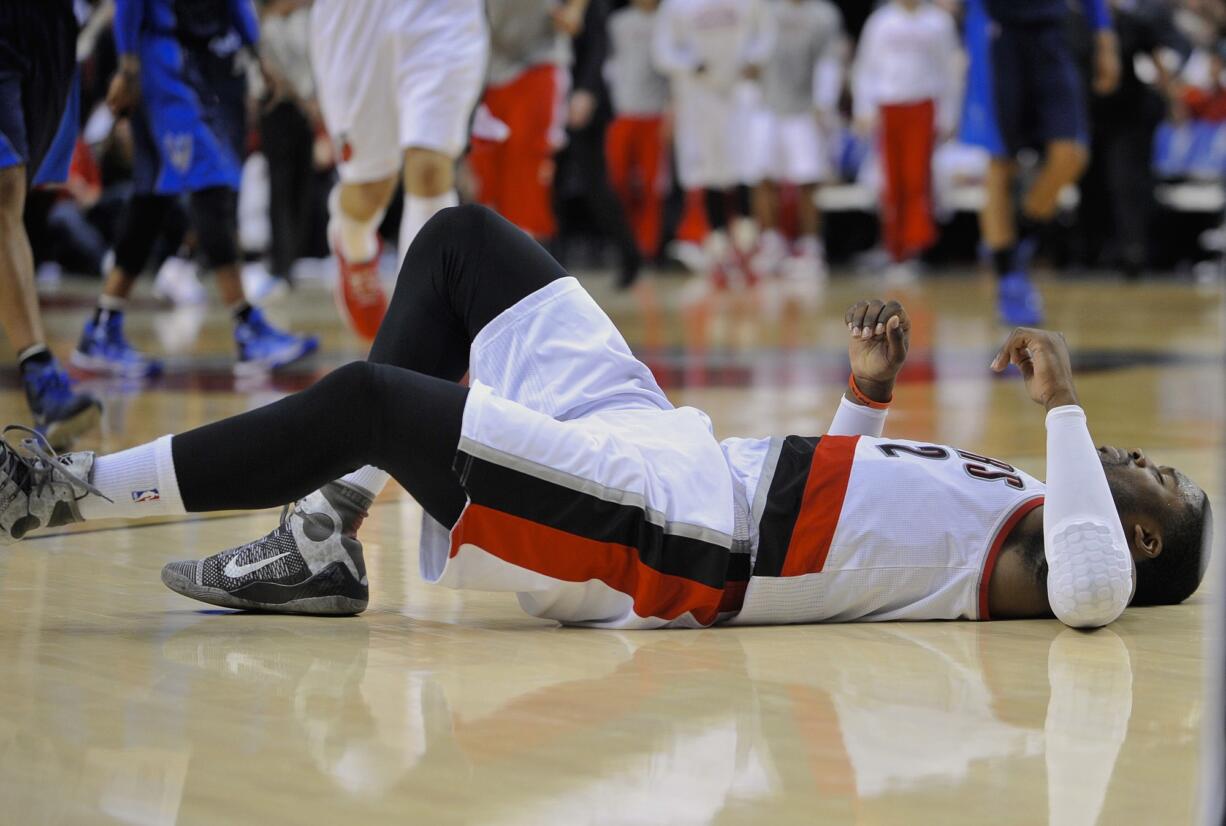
359,293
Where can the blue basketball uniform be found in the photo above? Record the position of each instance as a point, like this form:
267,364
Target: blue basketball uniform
978,127
188,126
1038,90
37,66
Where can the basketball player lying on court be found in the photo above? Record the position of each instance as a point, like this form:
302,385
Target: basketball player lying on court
563,473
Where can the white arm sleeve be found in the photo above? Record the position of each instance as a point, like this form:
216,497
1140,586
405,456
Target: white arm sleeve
853,419
1089,568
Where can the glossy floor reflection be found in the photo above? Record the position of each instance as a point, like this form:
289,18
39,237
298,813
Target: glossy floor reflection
121,702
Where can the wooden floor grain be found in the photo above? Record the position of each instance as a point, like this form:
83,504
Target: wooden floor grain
121,702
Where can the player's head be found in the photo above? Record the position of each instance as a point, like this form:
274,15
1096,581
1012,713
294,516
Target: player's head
1167,521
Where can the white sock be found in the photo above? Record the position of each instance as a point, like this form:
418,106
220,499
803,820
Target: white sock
369,478
141,481
358,240
417,210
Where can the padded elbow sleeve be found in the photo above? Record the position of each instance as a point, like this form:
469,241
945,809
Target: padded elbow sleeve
1089,578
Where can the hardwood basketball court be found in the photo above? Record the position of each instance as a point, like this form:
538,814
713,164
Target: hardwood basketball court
121,702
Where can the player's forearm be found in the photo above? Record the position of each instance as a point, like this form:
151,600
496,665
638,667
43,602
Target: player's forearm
1090,573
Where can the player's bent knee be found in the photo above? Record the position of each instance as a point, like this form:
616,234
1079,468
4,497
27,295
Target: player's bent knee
1070,157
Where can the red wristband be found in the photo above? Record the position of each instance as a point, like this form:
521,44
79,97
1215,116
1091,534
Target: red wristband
863,399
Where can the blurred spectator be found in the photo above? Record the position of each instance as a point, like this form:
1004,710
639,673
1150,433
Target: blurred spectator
582,185
521,126
907,85
801,83
708,48
1117,192
289,124
636,140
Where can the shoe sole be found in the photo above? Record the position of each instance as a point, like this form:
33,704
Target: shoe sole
328,606
101,366
62,434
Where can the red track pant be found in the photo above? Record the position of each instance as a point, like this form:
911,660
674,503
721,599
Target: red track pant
634,154
515,176
907,142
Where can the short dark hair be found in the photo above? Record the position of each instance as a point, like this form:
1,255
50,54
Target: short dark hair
1175,574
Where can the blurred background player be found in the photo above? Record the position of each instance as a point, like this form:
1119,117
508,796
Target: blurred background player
706,48
180,81
397,81
637,138
1038,102
801,85
525,105
582,194
37,65
907,87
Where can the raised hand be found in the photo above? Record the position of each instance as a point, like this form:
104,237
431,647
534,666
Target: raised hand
1042,356
880,335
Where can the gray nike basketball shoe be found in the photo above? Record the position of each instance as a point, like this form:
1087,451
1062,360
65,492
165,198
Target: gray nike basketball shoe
39,489
309,564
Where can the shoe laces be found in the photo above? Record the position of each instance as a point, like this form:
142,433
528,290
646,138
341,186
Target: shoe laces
38,471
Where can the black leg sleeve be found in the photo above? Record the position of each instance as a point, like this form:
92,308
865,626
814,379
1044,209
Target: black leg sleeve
139,229
361,414
466,266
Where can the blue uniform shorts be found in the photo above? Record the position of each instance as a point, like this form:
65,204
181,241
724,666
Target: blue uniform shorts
1038,89
37,70
188,126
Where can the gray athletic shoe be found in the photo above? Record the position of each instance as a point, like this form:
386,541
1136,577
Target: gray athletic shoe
39,489
310,564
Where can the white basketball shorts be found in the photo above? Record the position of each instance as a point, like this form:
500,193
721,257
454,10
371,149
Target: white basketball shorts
788,148
395,74
589,494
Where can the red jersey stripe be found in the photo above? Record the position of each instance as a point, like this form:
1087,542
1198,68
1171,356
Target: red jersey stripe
998,544
825,490
565,556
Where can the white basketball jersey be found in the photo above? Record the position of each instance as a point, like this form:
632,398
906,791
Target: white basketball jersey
861,528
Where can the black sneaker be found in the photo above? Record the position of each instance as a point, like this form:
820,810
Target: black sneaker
310,564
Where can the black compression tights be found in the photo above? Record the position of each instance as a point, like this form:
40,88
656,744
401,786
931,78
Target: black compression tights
401,410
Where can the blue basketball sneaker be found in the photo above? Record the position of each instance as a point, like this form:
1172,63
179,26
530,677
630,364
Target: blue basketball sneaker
103,349
262,347
1019,303
59,414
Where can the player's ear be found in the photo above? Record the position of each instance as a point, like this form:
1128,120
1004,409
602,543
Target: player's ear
1148,542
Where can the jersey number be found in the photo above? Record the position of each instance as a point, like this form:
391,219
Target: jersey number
976,466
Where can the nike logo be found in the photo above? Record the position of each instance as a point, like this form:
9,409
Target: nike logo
235,571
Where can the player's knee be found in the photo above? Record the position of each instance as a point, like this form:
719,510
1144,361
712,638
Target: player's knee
461,223
363,201
1069,158
12,190
427,173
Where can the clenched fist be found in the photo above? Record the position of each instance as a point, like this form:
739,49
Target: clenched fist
880,335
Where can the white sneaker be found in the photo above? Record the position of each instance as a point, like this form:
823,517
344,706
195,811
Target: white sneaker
260,286
178,282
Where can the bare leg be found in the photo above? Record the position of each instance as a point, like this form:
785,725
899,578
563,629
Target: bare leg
1064,162
18,299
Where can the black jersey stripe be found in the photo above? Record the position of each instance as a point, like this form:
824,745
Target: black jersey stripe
787,490
552,504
